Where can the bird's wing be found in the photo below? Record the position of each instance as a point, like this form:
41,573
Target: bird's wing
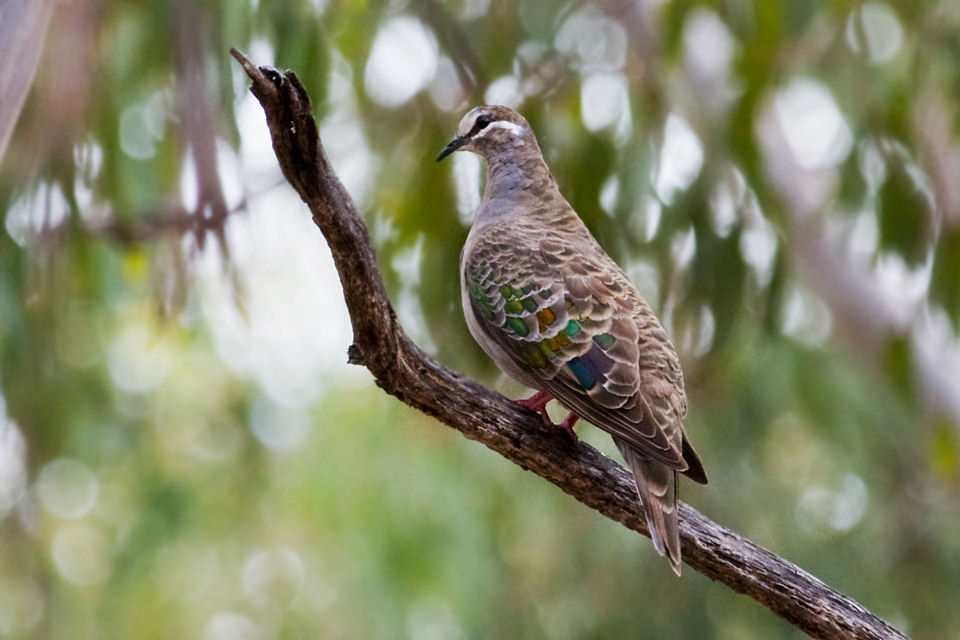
572,321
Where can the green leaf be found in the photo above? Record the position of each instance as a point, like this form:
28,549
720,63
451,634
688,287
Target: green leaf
906,224
945,282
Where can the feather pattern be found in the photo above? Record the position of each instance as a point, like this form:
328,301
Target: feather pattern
573,324
556,313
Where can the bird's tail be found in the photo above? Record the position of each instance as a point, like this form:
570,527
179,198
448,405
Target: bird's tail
657,486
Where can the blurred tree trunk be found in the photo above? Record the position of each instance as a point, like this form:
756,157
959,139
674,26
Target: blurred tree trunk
23,31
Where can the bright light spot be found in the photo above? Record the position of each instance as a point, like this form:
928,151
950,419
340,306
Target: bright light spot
13,469
758,246
814,508
604,101
873,167
228,169
81,554
228,175
279,428
40,209
262,51
682,247
226,625
850,504
446,91
840,510
504,90
865,234
88,213
410,312
708,45
466,174
473,9
537,64
343,135
407,264
383,230
67,488
816,132
901,283
88,158
805,317
681,158
293,330
645,219
142,125
340,83
645,276
723,209
138,360
189,186
402,62
934,339
273,578
698,336
609,193
873,29
256,148
135,138
594,41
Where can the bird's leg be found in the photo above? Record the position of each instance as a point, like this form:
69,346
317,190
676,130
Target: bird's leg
567,425
538,402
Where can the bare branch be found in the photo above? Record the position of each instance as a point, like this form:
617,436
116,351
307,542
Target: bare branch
403,370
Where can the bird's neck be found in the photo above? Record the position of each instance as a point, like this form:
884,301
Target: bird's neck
516,186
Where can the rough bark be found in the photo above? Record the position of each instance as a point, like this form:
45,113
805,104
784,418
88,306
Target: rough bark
400,368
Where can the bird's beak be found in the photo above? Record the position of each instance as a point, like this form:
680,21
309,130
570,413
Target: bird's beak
454,144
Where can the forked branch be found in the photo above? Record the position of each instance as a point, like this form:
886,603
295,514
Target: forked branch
400,368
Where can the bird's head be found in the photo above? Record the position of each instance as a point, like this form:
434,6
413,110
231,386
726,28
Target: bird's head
488,130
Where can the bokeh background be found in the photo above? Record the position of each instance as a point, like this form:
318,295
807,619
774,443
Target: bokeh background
184,452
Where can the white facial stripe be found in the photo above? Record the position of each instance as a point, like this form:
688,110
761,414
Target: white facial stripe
466,124
512,127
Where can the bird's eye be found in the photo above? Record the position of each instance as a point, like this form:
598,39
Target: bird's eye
482,122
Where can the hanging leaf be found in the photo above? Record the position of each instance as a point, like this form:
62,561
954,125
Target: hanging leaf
906,224
945,283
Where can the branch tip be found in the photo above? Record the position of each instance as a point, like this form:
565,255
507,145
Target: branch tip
244,61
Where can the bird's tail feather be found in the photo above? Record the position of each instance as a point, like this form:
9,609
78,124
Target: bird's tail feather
657,486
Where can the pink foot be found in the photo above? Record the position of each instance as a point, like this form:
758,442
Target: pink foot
538,402
567,425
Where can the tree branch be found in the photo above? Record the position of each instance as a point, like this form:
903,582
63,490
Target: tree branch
403,370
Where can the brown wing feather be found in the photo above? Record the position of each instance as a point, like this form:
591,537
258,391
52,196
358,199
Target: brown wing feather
529,276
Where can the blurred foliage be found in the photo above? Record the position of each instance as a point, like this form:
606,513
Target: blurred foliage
185,453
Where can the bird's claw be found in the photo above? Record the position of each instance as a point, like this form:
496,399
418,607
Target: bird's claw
567,425
538,402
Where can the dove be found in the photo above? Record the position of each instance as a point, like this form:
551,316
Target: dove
554,312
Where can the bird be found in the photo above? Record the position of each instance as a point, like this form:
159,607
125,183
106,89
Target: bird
557,314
